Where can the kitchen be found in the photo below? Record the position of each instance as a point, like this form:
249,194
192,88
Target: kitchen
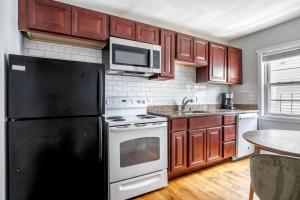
195,135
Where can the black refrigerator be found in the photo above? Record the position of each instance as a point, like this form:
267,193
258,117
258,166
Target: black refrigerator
56,143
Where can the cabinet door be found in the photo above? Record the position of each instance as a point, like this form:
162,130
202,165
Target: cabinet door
178,151
51,16
229,149
184,47
147,33
123,28
167,53
214,144
197,147
200,51
234,65
217,62
89,24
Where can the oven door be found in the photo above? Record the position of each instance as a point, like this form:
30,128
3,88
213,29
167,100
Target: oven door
137,150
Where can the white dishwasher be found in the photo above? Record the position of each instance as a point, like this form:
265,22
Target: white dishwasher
246,122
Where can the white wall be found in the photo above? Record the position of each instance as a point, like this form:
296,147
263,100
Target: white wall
168,92
10,42
286,32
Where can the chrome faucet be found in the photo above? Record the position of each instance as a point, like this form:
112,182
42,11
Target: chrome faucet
185,101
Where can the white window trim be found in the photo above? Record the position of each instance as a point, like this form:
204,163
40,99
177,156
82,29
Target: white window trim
262,104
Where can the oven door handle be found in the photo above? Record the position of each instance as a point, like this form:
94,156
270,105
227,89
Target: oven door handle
131,127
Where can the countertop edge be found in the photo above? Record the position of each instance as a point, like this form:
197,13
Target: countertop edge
172,114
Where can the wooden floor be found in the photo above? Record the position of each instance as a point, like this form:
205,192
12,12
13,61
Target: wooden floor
227,181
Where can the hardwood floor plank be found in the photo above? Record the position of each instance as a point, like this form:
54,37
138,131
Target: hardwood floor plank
226,181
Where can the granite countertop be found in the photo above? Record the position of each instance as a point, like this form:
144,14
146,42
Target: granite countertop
210,112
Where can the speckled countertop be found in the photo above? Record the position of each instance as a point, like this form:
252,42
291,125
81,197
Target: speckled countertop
210,112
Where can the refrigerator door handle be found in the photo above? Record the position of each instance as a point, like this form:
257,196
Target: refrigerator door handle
100,132
100,92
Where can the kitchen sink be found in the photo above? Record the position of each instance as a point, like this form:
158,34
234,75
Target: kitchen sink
192,112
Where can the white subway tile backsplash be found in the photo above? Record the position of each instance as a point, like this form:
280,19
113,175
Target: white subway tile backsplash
77,57
157,92
64,56
44,46
51,54
71,50
59,48
84,51
35,52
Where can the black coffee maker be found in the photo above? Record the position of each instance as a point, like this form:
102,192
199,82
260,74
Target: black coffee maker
227,101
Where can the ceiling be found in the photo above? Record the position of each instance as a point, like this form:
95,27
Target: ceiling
221,19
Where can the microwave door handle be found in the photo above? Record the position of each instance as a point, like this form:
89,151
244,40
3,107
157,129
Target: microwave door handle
151,58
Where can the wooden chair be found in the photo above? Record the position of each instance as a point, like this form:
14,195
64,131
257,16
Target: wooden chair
275,177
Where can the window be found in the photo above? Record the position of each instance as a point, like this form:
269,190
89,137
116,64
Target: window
282,83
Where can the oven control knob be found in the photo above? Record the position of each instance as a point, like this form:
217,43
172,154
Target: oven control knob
139,101
143,101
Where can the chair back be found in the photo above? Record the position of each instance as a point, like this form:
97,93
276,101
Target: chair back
275,177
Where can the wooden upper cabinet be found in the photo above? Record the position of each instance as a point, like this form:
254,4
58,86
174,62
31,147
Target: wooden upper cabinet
147,33
214,144
122,28
234,65
197,147
167,43
184,47
217,62
89,24
50,16
178,151
200,51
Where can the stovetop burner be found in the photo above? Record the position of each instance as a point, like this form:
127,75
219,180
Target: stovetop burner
118,120
114,117
146,116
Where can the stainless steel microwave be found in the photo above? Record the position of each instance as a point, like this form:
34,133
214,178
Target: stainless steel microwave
132,58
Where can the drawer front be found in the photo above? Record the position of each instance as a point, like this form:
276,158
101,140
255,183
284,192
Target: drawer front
229,149
229,119
178,125
205,122
229,133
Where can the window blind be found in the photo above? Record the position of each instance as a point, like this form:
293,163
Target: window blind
279,55
284,86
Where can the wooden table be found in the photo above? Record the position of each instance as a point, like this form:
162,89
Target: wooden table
283,142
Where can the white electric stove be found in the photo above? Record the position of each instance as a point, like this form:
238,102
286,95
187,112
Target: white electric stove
137,148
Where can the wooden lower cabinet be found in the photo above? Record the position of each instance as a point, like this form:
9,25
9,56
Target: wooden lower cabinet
229,149
198,142
214,144
178,151
197,147
229,133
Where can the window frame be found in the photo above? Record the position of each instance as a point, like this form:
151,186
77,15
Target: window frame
268,86
262,87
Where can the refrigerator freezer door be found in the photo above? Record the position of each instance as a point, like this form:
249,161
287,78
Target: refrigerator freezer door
55,159
40,87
